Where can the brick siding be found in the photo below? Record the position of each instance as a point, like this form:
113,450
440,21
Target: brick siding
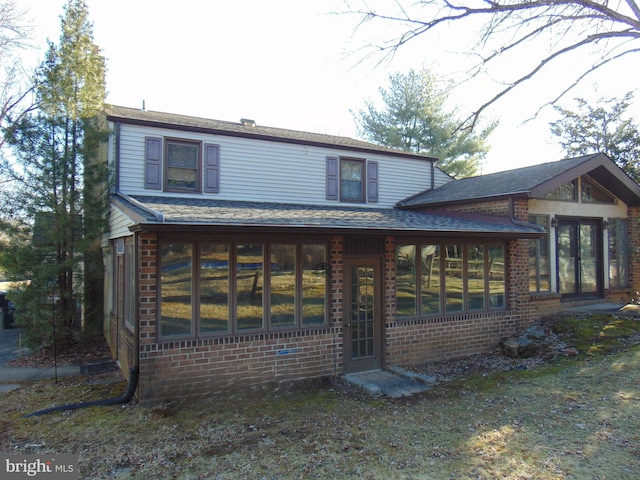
633,214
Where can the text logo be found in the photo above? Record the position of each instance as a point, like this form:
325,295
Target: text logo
51,467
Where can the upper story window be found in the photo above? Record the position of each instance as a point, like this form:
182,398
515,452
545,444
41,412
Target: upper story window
352,180
593,193
180,165
183,166
568,191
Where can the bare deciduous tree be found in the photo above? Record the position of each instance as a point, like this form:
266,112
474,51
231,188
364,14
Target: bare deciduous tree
607,32
15,87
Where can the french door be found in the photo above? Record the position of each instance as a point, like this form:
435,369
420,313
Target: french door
362,338
579,248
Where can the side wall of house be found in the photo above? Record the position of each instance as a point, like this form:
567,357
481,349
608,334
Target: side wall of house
415,341
533,305
267,171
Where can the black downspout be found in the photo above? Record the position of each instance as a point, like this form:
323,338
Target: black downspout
122,399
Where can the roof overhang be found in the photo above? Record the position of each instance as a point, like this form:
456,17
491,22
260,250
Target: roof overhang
604,171
196,215
186,123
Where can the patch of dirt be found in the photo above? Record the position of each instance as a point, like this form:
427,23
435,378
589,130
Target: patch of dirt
81,352
495,360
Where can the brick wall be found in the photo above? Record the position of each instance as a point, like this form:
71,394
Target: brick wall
497,208
426,340
633,214
194,368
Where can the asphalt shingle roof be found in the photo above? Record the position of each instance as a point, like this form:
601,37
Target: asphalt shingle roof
156,211
185,122
534,181
508,183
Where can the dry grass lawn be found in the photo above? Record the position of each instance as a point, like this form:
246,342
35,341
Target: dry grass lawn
573,418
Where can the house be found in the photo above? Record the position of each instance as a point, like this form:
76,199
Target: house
240,255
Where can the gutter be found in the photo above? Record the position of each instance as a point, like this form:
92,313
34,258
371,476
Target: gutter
159,217
520,222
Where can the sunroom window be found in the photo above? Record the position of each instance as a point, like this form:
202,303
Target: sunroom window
539,262
449,278
226,287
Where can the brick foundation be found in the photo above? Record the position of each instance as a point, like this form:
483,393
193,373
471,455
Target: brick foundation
195,368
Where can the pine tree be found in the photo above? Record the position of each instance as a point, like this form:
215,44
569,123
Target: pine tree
415,119
53,148
602,127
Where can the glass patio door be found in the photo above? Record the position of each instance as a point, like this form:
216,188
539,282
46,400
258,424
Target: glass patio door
579,257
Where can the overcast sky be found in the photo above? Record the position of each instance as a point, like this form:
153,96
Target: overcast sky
288,64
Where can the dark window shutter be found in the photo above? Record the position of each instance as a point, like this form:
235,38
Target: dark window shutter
372,182
153,163
211,168
333,178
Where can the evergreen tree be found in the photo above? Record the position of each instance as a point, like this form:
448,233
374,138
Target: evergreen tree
605,127
56,195
415,119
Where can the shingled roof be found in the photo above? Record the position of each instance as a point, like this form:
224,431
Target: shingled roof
534,182
158,213
249,130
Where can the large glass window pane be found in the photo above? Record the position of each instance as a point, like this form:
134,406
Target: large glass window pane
351,180
567,253
406,281
314,284
214,288
588,258
539,261
475,276
249,281
129,269
592,193
175,288
431,281
544,275
497,284
454,278
618,256
283,285
568,191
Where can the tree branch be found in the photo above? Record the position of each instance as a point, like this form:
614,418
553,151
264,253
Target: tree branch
592,21
473,118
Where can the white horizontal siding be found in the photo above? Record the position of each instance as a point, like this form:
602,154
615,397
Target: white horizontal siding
119,224
260,170
440,178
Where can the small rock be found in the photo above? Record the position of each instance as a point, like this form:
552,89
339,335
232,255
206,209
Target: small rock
570,351
534,332
510,347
